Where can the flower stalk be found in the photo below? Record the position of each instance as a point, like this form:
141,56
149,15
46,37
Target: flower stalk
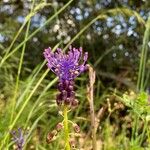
66,128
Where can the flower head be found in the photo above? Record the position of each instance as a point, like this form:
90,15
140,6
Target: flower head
19,137
66,66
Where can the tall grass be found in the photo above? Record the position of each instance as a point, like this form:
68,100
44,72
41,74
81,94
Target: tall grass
26,108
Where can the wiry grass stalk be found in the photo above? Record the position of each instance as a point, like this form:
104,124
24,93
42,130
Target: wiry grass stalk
37,101
12,43
47,87
13,102
20,67
30,81
34,126
141,74
146,83
90,91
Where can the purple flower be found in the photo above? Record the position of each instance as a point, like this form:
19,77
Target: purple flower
67,67
19,137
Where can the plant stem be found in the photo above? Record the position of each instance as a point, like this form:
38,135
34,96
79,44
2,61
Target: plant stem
66,129
90,97
19,72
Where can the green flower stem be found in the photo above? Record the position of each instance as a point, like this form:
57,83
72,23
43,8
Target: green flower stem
66,129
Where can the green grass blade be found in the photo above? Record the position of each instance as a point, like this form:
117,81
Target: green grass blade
141,74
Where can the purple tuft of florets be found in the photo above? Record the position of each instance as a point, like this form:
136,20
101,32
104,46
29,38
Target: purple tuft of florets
66,66
19,137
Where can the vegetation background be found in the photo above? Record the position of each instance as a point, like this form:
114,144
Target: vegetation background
116,35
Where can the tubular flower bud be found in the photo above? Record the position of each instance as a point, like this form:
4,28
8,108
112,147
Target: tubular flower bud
50,136
76,128
59,126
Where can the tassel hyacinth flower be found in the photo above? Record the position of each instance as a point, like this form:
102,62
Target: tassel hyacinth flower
67,67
